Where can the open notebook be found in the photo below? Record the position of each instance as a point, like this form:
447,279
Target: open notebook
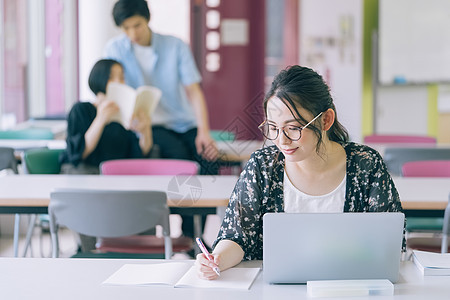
179,274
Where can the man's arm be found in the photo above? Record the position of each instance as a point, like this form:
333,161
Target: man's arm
204,143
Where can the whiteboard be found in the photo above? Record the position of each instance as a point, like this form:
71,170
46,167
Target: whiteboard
414,41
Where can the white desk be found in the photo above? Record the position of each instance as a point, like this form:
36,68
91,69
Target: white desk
20,145
417,193
187,194
33,191
58,127
45,278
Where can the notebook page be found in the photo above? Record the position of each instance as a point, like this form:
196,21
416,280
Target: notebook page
148,274
147,99
234,278
125,97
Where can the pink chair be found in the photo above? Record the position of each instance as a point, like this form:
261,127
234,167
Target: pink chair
426,168
146,243
437,225
149,167
398,139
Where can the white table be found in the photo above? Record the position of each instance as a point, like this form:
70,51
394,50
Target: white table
31,193
423,193
58,127
197,194
62,278
20,145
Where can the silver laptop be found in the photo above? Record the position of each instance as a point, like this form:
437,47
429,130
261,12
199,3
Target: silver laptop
331,246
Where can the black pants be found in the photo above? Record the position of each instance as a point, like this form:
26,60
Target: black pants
182,146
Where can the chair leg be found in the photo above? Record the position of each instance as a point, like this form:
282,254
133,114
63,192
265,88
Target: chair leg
16,234
197,230
54,237
444,245
167,247
29,234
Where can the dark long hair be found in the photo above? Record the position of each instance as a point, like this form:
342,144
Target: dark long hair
300,86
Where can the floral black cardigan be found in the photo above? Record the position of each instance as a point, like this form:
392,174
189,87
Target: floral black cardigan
259,190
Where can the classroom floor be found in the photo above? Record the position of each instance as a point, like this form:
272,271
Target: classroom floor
41,246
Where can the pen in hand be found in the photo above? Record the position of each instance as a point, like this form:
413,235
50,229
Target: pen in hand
207,254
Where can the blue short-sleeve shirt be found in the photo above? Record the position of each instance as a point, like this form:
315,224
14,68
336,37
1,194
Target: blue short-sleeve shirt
173,68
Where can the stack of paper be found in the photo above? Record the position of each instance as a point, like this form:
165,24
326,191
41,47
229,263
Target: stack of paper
430,263
178,274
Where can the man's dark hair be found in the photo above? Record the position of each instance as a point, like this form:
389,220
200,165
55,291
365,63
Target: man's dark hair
124,9
99,76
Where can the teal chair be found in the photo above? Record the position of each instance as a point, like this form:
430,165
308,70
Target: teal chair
40,161
27,134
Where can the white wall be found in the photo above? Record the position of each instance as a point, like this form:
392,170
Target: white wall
331,44
96,27
401,110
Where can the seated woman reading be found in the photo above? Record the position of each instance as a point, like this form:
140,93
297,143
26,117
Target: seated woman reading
311,168
92,136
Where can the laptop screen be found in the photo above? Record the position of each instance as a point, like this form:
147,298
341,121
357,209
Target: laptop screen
298,247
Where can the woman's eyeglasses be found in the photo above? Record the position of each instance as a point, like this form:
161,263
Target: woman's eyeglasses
294,133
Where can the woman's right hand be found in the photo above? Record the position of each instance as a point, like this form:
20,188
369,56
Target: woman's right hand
106,109
205,267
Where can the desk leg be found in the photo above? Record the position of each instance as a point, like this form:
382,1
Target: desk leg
197,230
16,235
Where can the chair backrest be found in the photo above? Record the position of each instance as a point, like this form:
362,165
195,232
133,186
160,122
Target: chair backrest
8,159
27,134
395,157
432,168
446,228
426,168
109,213
222,135
149,167
398,139
42,161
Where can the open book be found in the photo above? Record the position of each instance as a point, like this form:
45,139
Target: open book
179,274
430,263
129,100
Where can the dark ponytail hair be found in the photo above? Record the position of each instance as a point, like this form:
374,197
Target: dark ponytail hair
300,86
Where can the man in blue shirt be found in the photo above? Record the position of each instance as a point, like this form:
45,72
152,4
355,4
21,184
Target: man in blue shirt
180,122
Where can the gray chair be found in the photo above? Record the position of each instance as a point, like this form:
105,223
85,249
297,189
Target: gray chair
395,157
109,214
8,159
434,243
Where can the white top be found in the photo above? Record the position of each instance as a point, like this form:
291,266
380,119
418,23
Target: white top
295,201
146,57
